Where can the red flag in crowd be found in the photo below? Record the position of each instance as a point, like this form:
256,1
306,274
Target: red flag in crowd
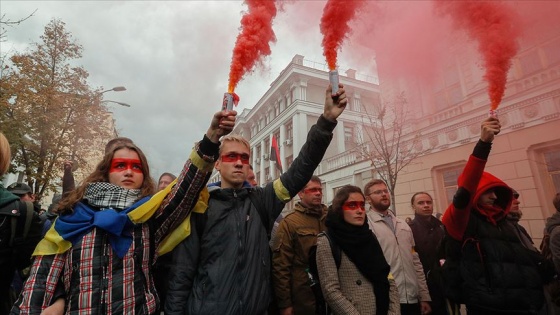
275,154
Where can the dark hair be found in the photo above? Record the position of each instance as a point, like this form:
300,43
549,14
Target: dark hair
556,202
115,142
342,195
419,193
101,174
315,179
373,182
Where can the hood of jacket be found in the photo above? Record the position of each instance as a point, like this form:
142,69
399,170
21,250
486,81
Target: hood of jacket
552,222
6,197
503,193
320,211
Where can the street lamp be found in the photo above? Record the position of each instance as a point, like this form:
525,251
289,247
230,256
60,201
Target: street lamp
115,89
120,103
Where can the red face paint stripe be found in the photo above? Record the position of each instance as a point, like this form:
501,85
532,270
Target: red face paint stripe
120,164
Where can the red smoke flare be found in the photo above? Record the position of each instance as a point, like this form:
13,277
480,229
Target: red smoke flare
334,26
253,41
492,24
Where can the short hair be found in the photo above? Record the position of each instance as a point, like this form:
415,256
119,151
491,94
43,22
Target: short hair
234,138
371,183
342,195
173,177
116,141
5,154
419,193
556,202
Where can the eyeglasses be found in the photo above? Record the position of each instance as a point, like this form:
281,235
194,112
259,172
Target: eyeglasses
234,157
379,192
354,205
313,190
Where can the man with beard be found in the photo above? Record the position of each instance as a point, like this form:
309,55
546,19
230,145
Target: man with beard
296,234
397,242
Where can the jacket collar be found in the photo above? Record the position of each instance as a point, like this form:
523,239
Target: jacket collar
319,212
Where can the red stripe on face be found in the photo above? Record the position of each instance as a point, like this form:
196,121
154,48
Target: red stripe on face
120,164
354,205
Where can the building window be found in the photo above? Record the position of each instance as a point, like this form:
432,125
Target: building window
268,176
266,149
450,177
258,150
348,133
289,161
289,130
552,161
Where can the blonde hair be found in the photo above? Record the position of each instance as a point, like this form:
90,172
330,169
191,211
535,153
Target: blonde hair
234,138
5,154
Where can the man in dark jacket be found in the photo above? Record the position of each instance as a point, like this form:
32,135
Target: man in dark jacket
487,268
513,218
20,229
428,233
225,268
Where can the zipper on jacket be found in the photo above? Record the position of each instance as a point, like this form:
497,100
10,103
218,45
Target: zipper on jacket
240,261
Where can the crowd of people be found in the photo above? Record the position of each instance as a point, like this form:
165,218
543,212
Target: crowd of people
121,243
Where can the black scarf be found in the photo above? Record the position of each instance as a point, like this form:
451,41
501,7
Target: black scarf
363,249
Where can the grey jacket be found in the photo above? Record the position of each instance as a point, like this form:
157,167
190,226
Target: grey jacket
552,228
227,270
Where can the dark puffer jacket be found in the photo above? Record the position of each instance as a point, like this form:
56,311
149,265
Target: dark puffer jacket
226,268
486,265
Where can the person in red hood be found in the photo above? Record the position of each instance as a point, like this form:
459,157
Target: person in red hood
486,267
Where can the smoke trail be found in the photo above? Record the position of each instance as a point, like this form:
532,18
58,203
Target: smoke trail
254,40
492,24
334,26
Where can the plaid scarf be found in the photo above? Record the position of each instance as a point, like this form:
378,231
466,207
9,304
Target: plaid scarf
106,195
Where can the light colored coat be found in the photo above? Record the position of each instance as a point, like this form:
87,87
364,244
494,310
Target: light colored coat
346,290
398,248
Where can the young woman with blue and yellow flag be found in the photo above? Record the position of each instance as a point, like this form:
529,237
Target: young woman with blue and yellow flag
98,255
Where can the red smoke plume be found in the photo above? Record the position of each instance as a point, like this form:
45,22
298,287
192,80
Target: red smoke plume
492,24
334,26
254,40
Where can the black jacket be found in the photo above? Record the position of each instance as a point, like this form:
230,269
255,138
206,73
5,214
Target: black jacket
227,271
500,275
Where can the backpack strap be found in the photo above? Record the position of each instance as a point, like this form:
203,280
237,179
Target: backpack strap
28,218
13,224
28,209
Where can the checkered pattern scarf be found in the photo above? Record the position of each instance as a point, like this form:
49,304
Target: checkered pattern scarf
106,195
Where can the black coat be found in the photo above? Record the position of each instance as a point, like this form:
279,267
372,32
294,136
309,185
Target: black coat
225,269
498,274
